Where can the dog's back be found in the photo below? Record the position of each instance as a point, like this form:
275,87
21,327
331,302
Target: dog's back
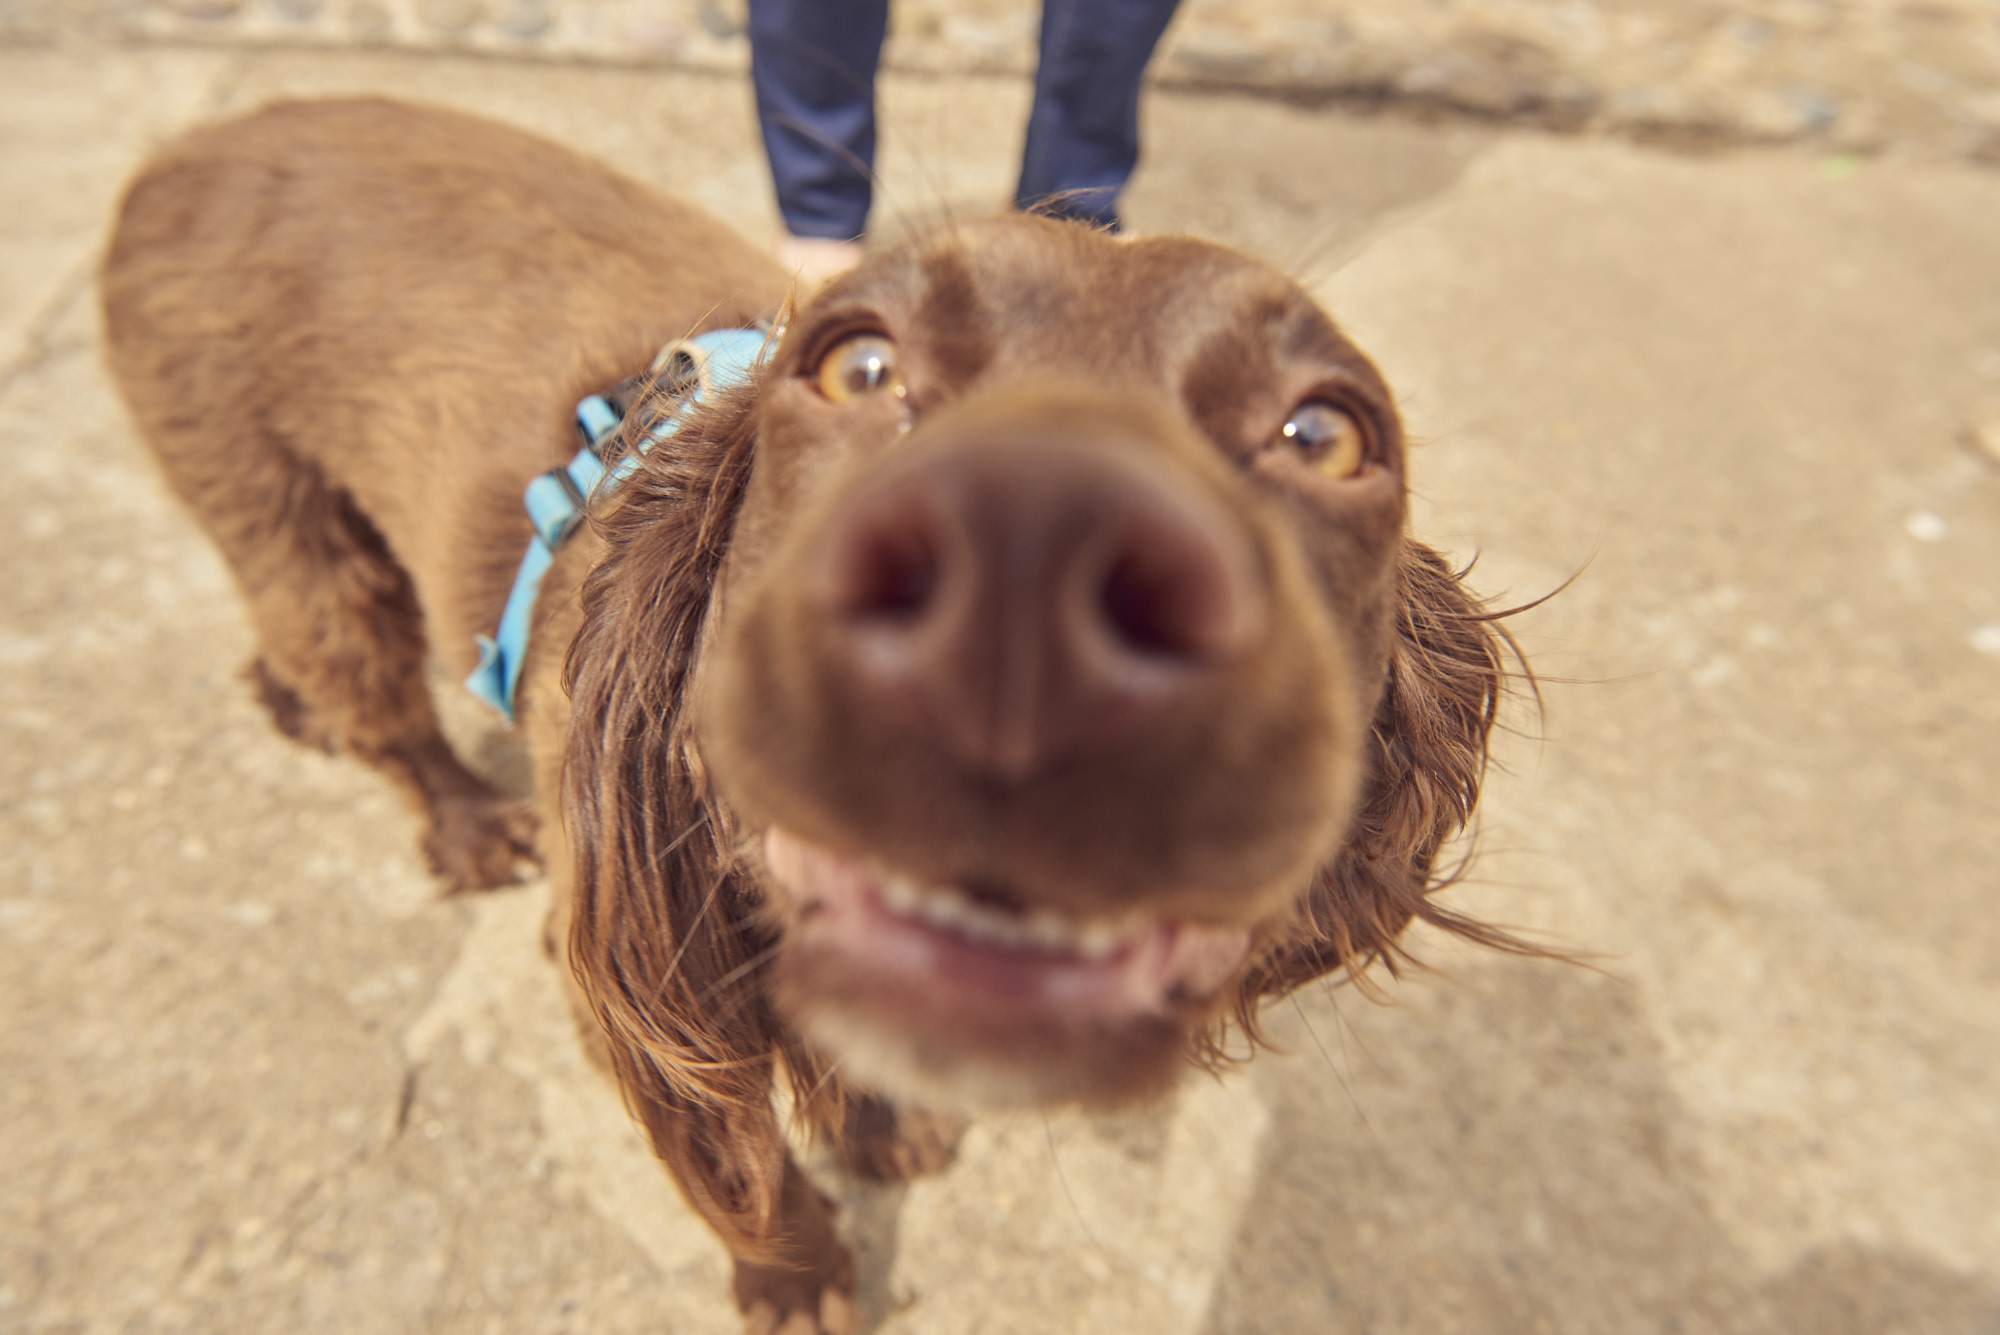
400,304
353,331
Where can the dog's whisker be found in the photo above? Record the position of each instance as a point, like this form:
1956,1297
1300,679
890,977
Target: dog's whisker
1062,1178
688,936
728,980
1338,1073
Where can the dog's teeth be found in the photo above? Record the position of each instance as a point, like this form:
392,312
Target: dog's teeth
942,905
997,930
1050,932
901,894
985,925
1043,930
1098,939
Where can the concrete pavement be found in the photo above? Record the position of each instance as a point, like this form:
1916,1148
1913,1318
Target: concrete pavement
1858,75
260,1079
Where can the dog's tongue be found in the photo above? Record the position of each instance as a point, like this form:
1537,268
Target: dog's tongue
844,912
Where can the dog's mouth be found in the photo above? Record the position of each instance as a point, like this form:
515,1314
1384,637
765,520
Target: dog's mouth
957,948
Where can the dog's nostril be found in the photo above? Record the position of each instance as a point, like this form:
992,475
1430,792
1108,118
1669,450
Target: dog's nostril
1173,592
1147,610
892,573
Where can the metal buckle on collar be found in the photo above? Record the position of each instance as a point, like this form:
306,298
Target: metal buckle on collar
558,501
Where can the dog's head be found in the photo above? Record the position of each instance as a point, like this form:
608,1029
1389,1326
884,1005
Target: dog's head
1030,672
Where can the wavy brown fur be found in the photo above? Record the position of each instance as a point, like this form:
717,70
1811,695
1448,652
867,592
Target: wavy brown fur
1430,738
663,914
668,933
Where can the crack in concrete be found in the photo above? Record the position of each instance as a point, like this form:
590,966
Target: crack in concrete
406,1099
39,346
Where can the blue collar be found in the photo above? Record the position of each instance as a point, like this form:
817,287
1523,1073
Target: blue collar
558,500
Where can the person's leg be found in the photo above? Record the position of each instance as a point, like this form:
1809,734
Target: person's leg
1083,136
813,65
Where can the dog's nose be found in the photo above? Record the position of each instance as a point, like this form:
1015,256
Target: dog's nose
1027,598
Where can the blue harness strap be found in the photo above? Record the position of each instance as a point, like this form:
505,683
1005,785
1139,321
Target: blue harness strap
558,500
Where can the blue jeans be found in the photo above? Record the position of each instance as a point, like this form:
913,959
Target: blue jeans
813,63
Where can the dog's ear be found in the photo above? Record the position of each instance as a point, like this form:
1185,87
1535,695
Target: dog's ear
665,935
1428,758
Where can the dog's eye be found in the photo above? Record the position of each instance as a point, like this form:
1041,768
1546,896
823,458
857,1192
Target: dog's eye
1325,437
861,364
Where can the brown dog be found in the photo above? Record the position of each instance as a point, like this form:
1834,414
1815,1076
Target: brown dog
1022,679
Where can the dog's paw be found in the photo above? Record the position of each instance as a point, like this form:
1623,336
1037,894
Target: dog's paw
884,1143
480,843
837,1315
797,1302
